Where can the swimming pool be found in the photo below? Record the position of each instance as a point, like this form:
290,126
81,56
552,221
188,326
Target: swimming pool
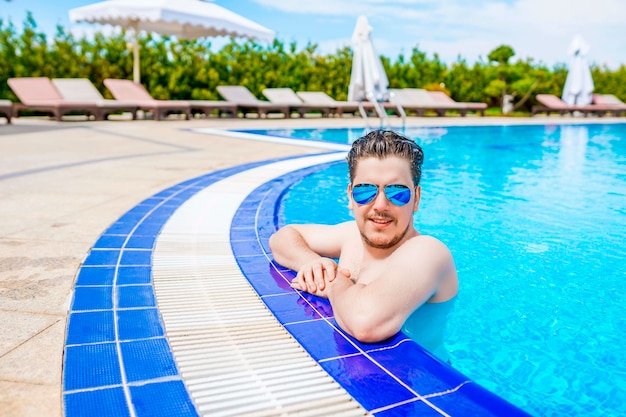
534,216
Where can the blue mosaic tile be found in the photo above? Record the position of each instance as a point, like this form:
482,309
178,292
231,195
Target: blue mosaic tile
290,308
141,209
134,275
91,366
320,305
120,228
141,242
90,327
250,203
159,217
148,229
151,202
472,399
110,402
93,298
139,324
110,242
415,408
102,257
96,275
265,283
265,231
145,360
136,257
246,232
131,217
247,212
321,340
246,247
265,223
164,399
367,383
254,263
167,192
419,369
136,296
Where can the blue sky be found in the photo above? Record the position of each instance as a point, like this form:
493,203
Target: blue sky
541,29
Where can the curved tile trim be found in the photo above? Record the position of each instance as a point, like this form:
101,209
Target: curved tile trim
118,362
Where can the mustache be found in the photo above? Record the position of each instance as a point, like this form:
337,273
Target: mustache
381,215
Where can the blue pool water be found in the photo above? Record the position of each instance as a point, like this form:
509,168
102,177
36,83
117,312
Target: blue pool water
535,217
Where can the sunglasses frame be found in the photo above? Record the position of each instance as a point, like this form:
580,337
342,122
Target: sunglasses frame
387,190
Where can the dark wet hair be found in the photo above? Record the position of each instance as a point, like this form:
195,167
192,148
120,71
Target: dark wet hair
383,143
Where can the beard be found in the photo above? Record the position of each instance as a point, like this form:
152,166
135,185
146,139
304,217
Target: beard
388,244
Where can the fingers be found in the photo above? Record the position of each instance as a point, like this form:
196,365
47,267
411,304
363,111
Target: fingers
314,276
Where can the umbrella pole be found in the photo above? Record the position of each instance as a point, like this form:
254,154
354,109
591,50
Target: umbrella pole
136,74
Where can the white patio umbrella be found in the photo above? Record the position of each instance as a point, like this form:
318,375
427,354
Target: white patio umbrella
187,19
368,80
579,83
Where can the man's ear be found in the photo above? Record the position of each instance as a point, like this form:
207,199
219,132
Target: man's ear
418,195
350,202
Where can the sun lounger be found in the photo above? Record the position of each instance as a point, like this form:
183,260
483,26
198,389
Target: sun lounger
39,94
609,100
6,109
420,101
320,98
443,98
552,104
128,91
289,97
247,102
81,89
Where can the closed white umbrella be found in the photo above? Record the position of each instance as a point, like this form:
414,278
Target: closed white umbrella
187,19
368,80
579,83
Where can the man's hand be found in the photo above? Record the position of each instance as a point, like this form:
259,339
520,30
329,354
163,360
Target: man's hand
314,275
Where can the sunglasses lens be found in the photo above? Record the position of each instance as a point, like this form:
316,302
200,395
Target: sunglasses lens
364,193
398,194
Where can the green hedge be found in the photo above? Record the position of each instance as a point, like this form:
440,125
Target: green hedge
188,69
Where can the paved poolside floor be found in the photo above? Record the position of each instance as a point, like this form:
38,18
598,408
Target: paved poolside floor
63,183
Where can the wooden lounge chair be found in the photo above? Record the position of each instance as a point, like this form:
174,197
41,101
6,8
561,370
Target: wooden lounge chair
289,97
609,100
6,109
420,101
128,91
39,94
441,97
247,103
552,104
320,98
81,89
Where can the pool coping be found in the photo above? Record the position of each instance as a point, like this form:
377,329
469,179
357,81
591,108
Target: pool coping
114,315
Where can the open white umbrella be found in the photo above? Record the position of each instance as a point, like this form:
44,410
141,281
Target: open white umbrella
368,80
579,83
187,19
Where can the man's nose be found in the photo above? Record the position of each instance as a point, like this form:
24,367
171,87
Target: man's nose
381,202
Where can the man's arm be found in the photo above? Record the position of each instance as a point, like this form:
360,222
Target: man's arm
376,311
309,249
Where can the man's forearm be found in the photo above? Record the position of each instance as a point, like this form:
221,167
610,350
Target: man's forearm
356,311
290,249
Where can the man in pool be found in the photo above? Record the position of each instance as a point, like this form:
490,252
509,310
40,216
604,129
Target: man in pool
388,277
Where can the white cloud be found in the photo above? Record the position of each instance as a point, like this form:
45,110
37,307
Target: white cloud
541,29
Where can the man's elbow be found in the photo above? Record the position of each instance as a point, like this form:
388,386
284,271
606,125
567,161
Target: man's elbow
369,331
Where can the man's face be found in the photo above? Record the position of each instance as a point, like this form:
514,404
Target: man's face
383,224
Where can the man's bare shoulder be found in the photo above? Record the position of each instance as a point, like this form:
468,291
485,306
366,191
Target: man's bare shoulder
422,247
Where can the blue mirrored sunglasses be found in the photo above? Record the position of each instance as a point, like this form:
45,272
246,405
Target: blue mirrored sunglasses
397,194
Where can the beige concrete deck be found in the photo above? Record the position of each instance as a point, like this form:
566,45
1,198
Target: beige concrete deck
63,183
